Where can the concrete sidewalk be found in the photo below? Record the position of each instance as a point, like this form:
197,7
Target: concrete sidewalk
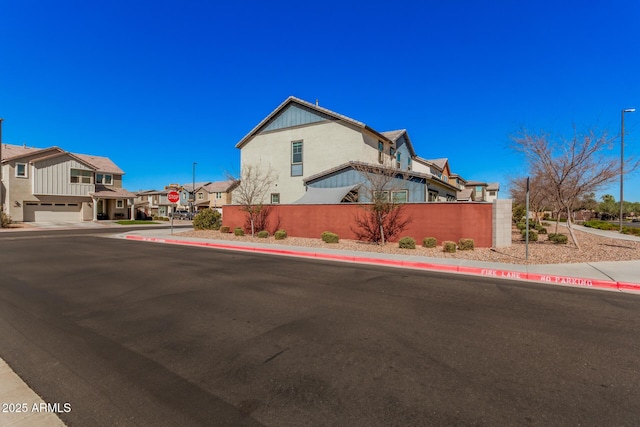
621,276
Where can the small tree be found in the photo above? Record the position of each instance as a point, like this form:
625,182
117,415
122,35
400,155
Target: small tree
382,187
571,167
251,191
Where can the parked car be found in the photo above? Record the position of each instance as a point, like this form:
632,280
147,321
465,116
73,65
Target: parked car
182,214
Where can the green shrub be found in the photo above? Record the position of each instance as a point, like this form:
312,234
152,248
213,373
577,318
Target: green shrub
533,235
207,219
280,235
558,238
542,230
465,244
238,231
407,243
631,230
448,246
601,225
5,220
329,237
225,229
521,225
263,234
429,242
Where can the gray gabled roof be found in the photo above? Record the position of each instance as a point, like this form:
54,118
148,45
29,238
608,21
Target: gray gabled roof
394,135
292,99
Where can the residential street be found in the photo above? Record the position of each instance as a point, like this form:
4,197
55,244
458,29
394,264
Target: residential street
135,333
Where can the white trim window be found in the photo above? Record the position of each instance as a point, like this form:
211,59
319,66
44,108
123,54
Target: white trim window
296,158
400,196
119,204
200,196
275,198
21,170
104,179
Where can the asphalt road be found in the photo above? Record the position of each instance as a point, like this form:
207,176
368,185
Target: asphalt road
135,333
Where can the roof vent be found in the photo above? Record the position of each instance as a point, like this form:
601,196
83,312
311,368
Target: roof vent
316,102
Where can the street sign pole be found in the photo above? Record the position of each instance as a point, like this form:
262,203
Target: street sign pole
173,197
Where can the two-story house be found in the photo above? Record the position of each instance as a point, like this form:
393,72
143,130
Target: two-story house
311,147
216,194
152,203
51,184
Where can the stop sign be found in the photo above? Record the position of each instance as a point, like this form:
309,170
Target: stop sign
173,196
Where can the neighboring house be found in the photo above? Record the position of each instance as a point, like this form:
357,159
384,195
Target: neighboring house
153,203
51,184
311,146
199,198
484,192
216,194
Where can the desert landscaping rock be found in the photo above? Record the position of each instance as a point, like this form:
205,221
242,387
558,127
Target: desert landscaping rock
593,248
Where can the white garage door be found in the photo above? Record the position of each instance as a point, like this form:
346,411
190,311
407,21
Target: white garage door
49,212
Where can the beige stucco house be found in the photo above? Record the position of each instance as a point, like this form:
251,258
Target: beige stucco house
307,146
51,184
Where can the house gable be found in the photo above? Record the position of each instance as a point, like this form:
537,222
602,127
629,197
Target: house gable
294,115
52,176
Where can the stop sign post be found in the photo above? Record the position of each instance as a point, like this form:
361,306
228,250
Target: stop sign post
173,197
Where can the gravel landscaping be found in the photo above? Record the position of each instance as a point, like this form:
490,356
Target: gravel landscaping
594,248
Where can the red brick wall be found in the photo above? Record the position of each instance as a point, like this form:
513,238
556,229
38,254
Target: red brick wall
444,221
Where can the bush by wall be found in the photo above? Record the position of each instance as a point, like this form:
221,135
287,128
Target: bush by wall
429,242
280,235
407,243
5,220
207,219
465,244
263,234
448,246
329,237
225,229
238,231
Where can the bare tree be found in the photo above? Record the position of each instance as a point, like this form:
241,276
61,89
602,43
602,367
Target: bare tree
383,197
251,191
571,167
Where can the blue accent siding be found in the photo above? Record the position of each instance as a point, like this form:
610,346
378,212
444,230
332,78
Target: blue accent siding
347,177
294,115
401,147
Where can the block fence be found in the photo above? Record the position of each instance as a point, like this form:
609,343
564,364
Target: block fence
488,224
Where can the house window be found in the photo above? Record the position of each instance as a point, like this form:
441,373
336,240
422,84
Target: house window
21,170
451,198
492,193
105,179
400,196
380,196
218,195
380,152
433,196
275,198
296,158
81,177
200,196
398,160
119,204
408,163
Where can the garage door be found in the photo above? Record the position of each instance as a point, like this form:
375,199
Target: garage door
49,212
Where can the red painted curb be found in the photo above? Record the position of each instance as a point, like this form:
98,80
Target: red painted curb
478,271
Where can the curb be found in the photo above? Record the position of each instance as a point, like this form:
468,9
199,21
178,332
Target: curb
552,279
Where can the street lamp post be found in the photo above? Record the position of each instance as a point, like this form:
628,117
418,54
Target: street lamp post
628,110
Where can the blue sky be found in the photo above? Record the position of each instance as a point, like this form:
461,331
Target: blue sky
158,85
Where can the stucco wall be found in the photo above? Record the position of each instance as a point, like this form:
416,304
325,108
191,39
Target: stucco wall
444,221
325,145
